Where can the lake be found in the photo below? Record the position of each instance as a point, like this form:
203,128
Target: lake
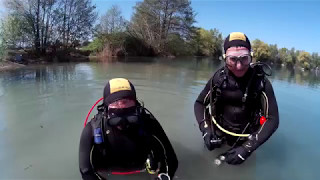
42,110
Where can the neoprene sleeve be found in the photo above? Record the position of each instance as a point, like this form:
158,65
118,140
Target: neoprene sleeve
199,105
86,144
162,141
272,123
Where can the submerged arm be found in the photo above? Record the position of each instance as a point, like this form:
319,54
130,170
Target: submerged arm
162,145
200,104
272,123
86,144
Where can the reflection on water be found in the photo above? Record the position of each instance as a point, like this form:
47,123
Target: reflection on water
203,66
42,109
297,76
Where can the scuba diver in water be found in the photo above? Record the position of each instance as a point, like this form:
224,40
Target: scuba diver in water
125,138
237,106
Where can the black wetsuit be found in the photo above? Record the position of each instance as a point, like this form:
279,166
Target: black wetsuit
127,151
232,113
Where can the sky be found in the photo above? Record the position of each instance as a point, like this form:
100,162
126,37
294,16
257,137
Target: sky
285,23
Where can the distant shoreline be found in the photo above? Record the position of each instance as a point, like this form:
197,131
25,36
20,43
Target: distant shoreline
8,65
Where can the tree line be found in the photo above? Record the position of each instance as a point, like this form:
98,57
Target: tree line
46,24
164,28
286,57
156,28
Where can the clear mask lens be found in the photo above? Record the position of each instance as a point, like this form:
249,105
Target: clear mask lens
244,59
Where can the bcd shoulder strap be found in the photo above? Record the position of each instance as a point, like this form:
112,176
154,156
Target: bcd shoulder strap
96,123
218,81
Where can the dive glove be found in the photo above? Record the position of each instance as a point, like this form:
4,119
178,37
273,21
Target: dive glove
237,155
210,138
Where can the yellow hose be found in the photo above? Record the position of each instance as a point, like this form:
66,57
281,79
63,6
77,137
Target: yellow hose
148,167
266,110
224,130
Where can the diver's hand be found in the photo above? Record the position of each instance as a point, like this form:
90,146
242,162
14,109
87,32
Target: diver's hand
163,176
211,140
237,155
